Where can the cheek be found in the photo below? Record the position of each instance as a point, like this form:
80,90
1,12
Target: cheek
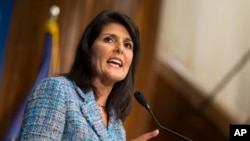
129,60
95,57
98,59
96,53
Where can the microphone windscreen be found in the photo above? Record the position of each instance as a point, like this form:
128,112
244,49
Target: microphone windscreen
141,99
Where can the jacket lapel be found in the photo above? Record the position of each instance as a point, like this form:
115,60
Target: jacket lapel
91,113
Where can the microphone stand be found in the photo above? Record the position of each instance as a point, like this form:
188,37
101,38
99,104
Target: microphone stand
142,100
166,129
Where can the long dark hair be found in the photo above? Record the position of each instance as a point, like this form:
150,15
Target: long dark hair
121,95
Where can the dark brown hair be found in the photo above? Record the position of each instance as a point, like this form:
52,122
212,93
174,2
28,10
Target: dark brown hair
81,73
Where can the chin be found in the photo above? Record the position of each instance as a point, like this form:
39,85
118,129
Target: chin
117,79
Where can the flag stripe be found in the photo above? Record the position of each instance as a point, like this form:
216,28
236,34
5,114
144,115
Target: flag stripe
52,28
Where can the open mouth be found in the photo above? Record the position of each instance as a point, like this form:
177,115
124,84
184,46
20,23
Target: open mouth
115,62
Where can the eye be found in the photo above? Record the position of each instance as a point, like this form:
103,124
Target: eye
108,39
128,45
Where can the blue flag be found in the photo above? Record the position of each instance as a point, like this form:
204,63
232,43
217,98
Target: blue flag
47,68
6,12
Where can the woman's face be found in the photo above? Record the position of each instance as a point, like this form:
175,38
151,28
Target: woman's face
112,53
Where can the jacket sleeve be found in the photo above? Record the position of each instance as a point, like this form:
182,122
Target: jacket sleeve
44,116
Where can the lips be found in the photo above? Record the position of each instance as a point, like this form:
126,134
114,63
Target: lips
115,61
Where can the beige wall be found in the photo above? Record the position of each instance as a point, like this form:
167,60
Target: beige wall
203,40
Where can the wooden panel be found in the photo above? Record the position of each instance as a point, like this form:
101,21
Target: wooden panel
22,57
175,111
171,98
146,16
25,44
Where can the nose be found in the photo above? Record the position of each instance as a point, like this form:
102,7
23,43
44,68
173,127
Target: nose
118,49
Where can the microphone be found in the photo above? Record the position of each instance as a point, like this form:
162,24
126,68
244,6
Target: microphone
142,100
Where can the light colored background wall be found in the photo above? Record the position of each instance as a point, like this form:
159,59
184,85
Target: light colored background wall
203,40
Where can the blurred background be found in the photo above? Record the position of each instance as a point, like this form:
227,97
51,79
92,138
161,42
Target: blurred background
193,68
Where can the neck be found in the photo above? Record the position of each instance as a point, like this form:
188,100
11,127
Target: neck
102,91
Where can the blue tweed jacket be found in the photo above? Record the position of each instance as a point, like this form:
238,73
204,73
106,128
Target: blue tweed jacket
59,110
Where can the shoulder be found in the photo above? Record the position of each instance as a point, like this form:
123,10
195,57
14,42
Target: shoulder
55,83
52,86
61,87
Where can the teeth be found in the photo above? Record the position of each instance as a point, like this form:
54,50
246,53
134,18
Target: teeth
115,61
